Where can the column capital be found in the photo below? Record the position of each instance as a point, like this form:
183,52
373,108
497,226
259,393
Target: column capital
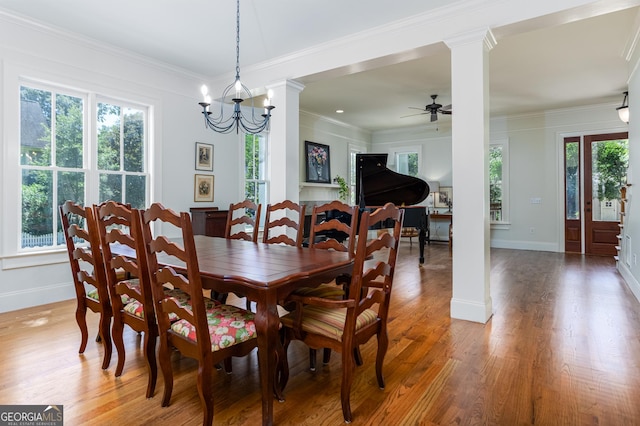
484,34
288,85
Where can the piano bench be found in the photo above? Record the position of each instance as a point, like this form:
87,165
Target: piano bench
410,233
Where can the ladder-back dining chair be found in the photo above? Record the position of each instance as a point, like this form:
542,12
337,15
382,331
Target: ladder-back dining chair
243,214
344,325
205,330
131,298
279,219
89,277
333,227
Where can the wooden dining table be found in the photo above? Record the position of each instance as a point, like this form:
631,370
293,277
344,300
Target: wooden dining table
265,274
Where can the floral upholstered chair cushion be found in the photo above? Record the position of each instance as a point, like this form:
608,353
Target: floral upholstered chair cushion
228,325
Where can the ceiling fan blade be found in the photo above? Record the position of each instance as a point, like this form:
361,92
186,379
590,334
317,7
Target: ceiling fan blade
446,112
421,109
413,115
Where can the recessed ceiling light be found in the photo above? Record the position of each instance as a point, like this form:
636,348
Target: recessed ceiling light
339,111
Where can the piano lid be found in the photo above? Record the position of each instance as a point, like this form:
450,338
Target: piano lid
376,184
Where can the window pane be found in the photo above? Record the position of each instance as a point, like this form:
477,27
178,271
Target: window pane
572,176
110,188
108,137
69,131
71,187
133,140
35,127
407,163
609,169
37,208
136,191
495,183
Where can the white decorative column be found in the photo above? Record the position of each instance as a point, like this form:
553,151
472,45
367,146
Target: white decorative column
284,148
470,152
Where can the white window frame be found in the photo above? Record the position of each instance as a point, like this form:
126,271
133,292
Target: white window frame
264,160
62,80
505,222
351,183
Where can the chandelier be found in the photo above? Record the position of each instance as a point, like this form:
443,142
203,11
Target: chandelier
251,123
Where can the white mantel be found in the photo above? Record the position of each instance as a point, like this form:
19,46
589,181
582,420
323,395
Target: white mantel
318,191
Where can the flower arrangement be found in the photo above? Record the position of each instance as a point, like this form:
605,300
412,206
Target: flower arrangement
318,155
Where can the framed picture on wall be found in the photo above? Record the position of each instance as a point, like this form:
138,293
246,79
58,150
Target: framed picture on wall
318,163
204,156
203,188
444,198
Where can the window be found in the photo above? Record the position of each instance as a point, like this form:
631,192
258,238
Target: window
59,160
498,181
407,163
256,186
353,150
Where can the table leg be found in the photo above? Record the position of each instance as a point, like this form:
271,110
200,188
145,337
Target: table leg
269,349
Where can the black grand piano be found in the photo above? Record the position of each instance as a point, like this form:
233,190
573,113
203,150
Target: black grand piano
376,185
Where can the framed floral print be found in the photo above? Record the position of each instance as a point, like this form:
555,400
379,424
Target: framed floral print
203,188
318,164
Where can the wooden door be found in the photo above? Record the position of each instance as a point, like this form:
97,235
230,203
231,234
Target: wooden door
602,209
594,171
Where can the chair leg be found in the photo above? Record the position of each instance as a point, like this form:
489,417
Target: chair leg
348,369
312,359
205,390
228,366
326,356
117,332
357,356
164,356
383,343
81,319
150,338
105,333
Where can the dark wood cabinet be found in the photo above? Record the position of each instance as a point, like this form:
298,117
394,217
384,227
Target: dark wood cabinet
208,221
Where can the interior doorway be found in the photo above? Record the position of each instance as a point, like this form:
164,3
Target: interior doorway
595,169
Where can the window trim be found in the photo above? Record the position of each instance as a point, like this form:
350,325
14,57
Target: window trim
62,78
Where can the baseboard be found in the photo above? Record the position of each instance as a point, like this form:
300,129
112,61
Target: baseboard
629,279
525,245
471,311
12,301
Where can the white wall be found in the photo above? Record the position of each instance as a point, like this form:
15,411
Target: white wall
535,160
631,271
28,279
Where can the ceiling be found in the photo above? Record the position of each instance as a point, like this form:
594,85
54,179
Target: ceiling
533,67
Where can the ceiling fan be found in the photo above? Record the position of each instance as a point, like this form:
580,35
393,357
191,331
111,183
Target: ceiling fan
433,109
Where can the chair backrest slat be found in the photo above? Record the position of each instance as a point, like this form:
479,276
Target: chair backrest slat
337,231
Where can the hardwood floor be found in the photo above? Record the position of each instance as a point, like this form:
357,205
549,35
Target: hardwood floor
562,348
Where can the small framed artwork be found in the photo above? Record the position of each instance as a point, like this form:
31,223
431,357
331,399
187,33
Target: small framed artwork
318,162
203,188
204,156
444,198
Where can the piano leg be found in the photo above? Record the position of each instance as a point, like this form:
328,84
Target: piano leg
422,238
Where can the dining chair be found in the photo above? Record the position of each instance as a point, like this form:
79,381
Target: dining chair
289,219
243,214
333,227
89,278
344,325
131,298
205,330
